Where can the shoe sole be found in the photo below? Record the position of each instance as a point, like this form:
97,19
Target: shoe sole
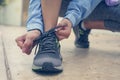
76,33
81,46
78,46
47,67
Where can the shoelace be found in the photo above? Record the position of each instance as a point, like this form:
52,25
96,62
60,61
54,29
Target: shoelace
41,41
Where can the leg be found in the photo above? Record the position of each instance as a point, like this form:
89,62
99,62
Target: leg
48,58
106,25
94,24
108,20
50,11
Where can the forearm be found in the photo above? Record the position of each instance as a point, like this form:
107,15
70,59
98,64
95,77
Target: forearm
35,20
79,10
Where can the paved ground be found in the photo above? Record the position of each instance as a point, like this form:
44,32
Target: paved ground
100,62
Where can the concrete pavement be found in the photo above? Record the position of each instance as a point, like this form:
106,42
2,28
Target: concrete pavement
100,62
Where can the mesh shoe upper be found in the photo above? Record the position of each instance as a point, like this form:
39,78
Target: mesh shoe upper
49,50
81,35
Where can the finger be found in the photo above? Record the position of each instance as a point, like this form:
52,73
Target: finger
64,35
19,42
62,32
62,25
61,37
27,47
58,29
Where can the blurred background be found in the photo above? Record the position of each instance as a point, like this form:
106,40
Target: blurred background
100,62
13,12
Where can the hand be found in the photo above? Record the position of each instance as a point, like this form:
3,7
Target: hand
64,30
25,42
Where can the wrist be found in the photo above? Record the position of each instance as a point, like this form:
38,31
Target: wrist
69,22
36,31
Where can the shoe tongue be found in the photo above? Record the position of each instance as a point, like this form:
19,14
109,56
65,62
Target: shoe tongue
51,33
48,41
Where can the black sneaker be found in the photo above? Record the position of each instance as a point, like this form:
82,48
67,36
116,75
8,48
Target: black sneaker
81,40
48,58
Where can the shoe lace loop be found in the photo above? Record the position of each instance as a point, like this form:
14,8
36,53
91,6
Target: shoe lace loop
46,43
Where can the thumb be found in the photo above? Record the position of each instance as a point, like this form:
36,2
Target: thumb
62,23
